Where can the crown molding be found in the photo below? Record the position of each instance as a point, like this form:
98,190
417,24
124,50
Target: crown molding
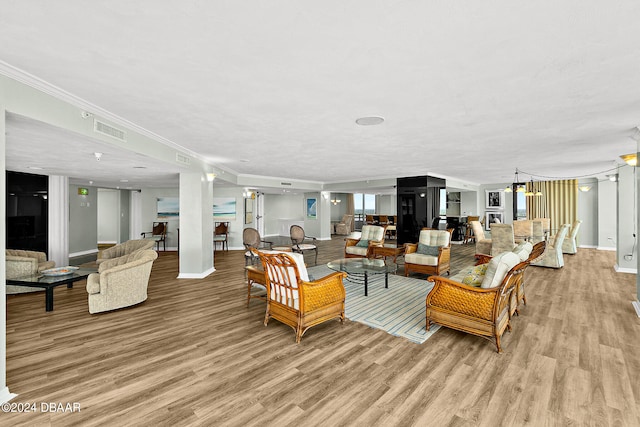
43,86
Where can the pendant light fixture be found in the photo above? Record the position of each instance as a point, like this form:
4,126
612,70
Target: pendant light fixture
516,183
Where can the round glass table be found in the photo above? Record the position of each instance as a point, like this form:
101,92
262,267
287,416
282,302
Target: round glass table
359,269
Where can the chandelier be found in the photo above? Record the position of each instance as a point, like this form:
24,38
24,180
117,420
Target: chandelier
521,187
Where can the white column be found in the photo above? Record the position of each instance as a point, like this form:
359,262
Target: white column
5,395
58,224
196,226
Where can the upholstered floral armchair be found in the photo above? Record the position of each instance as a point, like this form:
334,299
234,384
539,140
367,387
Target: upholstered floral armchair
481,310
371,235
295,300
432,253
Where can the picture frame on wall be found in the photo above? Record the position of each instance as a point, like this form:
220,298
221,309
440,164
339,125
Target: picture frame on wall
494,199
312,208
248,211
491,217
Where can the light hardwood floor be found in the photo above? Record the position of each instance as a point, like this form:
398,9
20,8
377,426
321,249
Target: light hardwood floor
194,354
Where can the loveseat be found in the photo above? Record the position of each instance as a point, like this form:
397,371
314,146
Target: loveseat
120,282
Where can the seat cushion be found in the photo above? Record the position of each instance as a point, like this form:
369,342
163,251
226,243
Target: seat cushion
416,258
305,246
523,250
356,250
498,268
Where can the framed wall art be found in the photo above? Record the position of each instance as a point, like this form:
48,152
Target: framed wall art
494,199
312,208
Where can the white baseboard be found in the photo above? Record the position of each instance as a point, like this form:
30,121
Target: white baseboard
107,242
6,396
619,269
605,248
588,246
636,306
82,253
196,275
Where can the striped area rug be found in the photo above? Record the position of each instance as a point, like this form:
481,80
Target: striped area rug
399,310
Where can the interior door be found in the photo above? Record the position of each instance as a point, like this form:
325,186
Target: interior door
260,213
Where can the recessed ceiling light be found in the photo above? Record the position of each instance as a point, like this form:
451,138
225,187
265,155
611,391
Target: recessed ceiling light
139,167
369,121
124,180
34,168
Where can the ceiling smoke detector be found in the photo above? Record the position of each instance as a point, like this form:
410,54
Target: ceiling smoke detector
369,121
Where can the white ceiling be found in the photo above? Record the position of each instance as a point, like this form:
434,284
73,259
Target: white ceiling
470,90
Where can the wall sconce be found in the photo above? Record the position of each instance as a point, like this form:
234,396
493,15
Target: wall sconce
630,159
612,178
211,177
248,194
584,188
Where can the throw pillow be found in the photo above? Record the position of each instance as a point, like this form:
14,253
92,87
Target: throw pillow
363,243
428,250
476,275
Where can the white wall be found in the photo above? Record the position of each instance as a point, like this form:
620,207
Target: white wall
386,204
626,240
469,203
235,226
285,206
588,214
150,213
607,214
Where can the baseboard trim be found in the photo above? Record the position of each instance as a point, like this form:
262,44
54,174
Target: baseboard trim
619,269
83,253
588,246
605,248
6,396
196,275
636,306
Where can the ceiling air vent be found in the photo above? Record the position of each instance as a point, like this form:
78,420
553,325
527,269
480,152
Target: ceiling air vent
285,183
109,130
183,159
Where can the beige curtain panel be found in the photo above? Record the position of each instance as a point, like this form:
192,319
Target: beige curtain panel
351,210
559,202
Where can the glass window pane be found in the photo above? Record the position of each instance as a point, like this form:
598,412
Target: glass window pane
369,203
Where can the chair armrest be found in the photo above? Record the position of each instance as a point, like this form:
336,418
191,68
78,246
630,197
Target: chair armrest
324,291
482,259
351,242
144,233
410,248
267,242
460,298
93,284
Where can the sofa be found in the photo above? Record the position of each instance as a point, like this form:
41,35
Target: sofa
24,263
125,248
120,282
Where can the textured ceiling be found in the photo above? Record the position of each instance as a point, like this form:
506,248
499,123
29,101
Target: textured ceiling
469,90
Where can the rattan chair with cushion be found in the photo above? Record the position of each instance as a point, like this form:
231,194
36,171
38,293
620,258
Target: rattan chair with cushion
344,227
483,310
527,252
483,245
295,300
298,244
432,253
570,243
251,240
371,235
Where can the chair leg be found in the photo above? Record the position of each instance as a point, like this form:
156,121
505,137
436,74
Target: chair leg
316,260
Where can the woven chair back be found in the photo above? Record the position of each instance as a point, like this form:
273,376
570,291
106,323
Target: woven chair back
251,238
297,234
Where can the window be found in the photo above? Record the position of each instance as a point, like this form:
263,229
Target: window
519,202
363,204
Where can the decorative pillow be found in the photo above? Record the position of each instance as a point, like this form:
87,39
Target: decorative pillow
363,243
428,250
475,276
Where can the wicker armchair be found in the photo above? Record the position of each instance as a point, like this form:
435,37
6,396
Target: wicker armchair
421,261
532,253
482,311
371,235
295,301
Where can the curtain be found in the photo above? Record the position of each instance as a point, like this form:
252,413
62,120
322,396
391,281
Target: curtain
351,210
559,202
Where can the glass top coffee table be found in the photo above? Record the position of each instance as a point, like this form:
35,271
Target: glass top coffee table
48,283
359,269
